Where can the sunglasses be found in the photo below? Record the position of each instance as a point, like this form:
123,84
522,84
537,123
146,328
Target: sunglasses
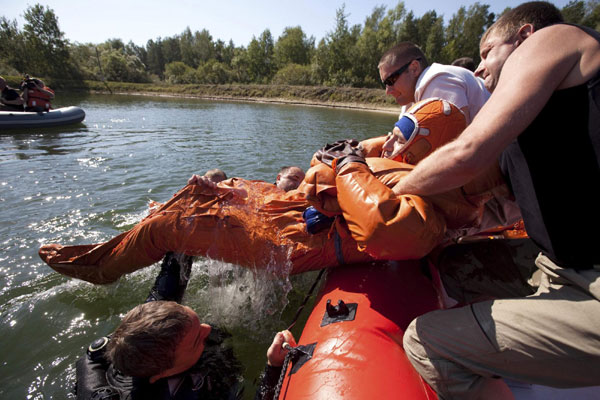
393,77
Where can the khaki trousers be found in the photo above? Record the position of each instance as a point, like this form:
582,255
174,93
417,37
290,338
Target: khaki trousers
551,337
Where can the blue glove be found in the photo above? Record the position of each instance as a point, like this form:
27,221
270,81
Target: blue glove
315,220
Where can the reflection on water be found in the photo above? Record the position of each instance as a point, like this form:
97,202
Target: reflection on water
88,182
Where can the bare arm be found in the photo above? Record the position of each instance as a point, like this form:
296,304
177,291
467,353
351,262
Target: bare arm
546,61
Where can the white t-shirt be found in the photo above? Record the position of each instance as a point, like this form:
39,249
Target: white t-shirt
457,85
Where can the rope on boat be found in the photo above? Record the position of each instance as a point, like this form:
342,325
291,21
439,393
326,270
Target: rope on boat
310,292
294,352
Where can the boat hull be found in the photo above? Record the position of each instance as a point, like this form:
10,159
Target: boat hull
56,117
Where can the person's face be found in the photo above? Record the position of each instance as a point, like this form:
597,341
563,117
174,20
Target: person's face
403,89
290,180
393,143
494,51
189,349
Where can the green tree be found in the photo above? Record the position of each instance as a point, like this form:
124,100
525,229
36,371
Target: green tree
293,47
171,49
435,41
340,45
196,48
320,63
180,72
47,51
224,53
85,58
131,49
12,48
390,27
240,65
119,66
583,13
409,31
368,49
260,58
155,60
592,15
214,72
574,11
464,31
294,74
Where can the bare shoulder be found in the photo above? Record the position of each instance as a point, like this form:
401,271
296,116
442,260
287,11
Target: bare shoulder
569,44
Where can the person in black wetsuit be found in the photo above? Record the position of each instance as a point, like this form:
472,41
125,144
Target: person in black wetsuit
162,351
542,123
10,99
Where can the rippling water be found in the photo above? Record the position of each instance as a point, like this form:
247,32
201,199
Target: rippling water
89,182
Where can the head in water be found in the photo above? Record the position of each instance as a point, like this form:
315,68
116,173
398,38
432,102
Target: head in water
157,339
216,175
289,178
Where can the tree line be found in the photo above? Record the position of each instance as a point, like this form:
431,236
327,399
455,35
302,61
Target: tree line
346,56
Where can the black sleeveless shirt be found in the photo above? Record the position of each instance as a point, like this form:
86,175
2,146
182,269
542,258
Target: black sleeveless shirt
553,168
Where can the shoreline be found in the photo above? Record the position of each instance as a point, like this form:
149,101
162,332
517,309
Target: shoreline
265,100
350,98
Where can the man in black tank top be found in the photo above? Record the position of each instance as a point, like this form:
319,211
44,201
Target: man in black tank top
542,123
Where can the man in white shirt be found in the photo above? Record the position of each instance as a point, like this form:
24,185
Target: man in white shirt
409,78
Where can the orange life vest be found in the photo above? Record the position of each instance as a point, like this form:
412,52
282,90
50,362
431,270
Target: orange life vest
38,99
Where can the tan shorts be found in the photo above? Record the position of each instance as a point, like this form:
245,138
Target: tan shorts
551,337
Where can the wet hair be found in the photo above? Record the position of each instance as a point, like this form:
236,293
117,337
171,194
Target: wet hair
216,175
403,52
287,169
144,344
537,13
465,62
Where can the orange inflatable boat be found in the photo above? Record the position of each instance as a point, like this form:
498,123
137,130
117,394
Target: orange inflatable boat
351,344
353,338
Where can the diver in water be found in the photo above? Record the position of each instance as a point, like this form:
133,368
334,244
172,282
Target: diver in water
161,350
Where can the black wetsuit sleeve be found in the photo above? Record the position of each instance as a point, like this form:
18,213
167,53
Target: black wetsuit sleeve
268,383
172,280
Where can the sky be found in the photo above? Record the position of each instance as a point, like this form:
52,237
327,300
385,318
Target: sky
138,21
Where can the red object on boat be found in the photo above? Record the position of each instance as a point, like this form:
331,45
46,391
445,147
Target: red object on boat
358,355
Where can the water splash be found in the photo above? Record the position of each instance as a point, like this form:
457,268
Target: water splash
236,297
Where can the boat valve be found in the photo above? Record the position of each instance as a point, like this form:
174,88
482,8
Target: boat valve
337,311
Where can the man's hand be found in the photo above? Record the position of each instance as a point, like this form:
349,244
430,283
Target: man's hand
276,353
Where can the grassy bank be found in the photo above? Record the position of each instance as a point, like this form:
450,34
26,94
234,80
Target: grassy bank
346,97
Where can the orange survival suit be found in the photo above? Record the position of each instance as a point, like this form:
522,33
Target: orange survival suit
258,225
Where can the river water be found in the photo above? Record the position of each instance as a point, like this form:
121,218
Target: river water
86,183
